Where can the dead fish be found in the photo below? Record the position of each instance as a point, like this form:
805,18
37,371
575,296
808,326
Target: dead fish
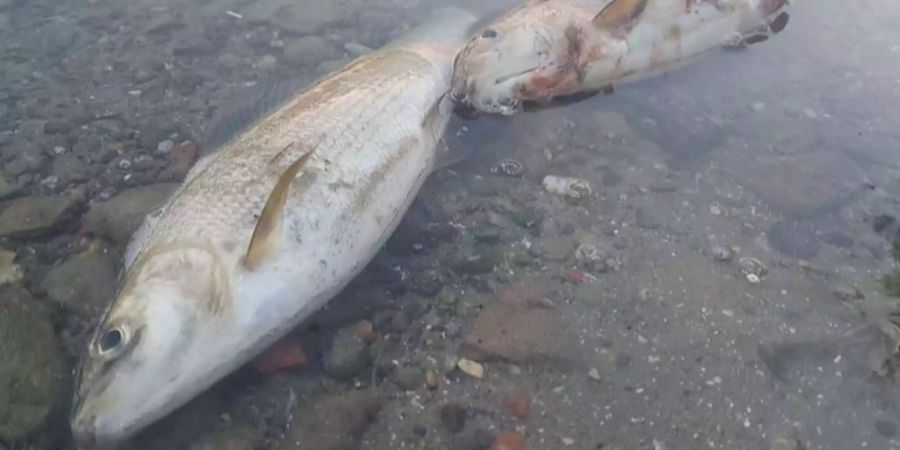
558,49
266,230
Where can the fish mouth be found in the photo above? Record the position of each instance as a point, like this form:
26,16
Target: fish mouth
490,94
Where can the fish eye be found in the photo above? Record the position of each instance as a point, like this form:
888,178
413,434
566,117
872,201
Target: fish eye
110,341
489,33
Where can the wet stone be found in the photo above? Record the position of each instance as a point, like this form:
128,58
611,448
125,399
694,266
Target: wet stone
518,326
9,187
349,354
794,239
480,263
409,378
886,428
555,249
32,370
474,439
234,437
34,216
183,426
648,219
119,217
269,404
453,417
84,283
332,422
308,51
69,169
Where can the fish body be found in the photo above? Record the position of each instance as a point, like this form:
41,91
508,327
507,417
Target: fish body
556,48
266,230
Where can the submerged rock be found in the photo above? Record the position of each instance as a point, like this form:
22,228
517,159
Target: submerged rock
349,354
84,283
519,326
8,185
305,17
309,51
119,217
33,371
237,437
333,422
794,239
33,216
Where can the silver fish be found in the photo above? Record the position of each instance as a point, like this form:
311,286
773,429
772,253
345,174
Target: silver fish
557,48
266,230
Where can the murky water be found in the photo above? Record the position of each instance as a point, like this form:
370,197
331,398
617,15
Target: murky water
727,283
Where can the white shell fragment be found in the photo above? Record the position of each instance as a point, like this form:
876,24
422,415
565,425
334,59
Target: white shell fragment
569,187
471,368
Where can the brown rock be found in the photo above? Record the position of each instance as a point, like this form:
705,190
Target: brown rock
366,331
119,217
285,354
33,216
519,326
508,441
518,405
333,422
183,157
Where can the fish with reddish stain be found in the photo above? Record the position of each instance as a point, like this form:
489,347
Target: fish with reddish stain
551,50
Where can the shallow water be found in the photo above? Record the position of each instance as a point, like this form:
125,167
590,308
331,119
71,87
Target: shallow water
721,287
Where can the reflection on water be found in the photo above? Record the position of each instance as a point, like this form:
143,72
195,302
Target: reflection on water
726,283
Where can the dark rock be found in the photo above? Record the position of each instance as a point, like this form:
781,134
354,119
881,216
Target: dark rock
270,404
234,437
8,185
349,354
554,249
33,372
800,185
474,439
57,127
179,429
521,325
409,378
27,157
647,218
33,216
794,239
84,283
309,51
333,422
69,169
119,217
453,417
886,428
483,262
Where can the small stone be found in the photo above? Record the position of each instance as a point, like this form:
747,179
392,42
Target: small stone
648,219
285,354
431,380
349,354
471,368
785,443
332,422
32,370
453,417
848,293
508,440
164,147
366,331
119,217
69,169
267,63
594,374
568,187
886,428
234,437
567,441
518,405
409,378
183,157
722,253
308,51
84,283
56,127
473,438
8,185
34,216
10,272
554,249
357,49
793,239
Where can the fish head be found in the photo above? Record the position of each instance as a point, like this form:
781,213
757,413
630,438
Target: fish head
146,358
530,53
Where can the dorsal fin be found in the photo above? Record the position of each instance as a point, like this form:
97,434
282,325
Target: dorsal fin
620,14
271,220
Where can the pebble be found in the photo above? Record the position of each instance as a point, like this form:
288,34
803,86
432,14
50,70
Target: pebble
518,405
332,422
10,272
785,443
267,63
794,239
508,440
722,253
431,380
471,368
8,185
287,353
308,51
409,378
349,354
165,146
568,187
594,374
119,217
648,219
84,283
33,216
357,49
453,417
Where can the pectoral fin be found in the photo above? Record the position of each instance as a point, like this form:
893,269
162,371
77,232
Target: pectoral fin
269,227
620,14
